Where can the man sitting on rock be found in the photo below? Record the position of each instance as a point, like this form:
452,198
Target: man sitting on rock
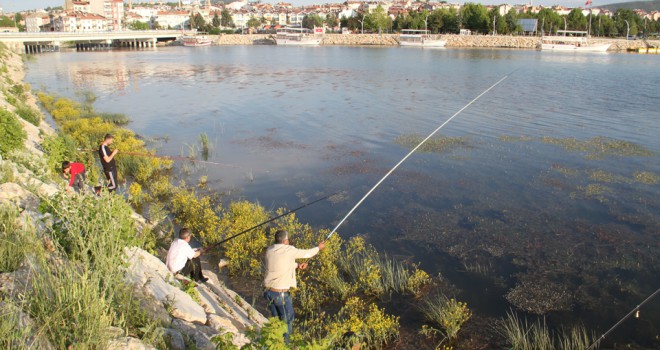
75,172
183,259
281,276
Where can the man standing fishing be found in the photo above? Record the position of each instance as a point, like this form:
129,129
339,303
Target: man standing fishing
183,259
108,161
281,276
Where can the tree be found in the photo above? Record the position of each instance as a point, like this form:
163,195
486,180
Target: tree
549,20
435,21
623,15
378,19
216,20
331,21
137,25
226,19
311,21
475,17
253,23
6,22
197,21
511,19
576,20
499,25
352,23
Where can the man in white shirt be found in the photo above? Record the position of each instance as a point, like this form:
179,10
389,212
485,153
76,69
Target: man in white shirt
281,276
183,259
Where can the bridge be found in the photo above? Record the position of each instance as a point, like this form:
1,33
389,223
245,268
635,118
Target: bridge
51,41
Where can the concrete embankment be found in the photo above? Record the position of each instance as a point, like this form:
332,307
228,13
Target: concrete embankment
458,41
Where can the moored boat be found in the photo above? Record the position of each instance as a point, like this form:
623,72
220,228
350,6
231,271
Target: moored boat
420,38
298,36
196,40
573,41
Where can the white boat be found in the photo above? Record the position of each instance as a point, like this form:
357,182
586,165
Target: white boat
297,36
420,38
196,40
572,41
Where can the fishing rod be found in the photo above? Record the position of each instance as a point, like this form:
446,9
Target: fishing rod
596,344
191,159
273,219
410,153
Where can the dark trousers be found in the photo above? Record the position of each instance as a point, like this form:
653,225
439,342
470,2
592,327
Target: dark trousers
281,305
111,175
79,181
193,269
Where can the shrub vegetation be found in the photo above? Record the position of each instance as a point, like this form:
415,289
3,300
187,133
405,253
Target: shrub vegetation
11,133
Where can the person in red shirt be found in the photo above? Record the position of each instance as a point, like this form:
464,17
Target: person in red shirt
75,172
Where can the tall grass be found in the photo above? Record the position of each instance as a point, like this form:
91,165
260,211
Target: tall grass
76,301
448,313
118,119
206,145
523,335
29,114
16,240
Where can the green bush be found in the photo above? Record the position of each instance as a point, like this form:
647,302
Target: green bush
28,114
11,133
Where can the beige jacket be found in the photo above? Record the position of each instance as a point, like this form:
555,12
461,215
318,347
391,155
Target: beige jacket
281,265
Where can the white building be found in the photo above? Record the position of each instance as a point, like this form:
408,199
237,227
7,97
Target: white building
171,19
237,5
35,22
113,10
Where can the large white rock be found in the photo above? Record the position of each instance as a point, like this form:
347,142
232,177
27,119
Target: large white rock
128,343
151,275
200,334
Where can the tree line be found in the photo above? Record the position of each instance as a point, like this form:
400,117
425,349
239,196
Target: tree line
475,17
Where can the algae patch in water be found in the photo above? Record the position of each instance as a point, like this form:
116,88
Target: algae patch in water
604,176
647,178
599,147
438,144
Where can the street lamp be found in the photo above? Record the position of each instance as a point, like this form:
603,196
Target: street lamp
627,29
362,24
426,21
564,26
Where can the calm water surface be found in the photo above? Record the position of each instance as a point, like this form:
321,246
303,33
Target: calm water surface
503,212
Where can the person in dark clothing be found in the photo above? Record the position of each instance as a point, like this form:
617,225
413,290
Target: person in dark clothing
183,259
76,174
108,161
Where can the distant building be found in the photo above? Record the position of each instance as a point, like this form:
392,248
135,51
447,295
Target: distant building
112,10
171,19
79,22
37,22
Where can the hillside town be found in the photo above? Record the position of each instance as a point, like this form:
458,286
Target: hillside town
116,15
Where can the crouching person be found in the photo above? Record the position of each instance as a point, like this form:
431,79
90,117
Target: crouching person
183,259
280,276
76,174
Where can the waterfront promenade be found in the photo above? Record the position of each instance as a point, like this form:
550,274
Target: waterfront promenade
49,41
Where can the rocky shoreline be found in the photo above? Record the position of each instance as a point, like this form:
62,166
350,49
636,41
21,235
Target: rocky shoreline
184,321
453,41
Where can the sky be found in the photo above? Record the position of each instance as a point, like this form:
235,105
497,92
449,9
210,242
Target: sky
22,5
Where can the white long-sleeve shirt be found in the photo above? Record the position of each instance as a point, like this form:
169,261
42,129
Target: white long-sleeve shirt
281,265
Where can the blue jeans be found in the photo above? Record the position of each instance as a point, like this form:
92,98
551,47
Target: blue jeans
280,305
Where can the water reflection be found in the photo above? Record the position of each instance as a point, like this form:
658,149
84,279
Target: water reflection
509,210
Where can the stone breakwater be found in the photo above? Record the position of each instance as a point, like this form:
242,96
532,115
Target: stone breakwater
465,41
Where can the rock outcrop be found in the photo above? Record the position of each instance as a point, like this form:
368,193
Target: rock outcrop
217,309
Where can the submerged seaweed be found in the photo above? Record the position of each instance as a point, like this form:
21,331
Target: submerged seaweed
437,144
599,147
646,177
